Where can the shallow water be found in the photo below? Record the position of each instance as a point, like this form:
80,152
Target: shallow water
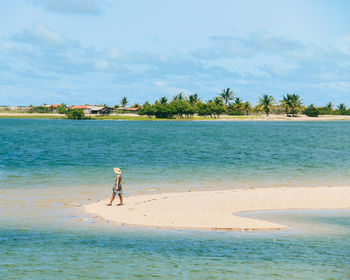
135,254
50,167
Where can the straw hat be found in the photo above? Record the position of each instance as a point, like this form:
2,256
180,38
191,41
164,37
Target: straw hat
117,170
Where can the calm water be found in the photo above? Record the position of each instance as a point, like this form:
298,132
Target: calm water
173,154
168,255
48,166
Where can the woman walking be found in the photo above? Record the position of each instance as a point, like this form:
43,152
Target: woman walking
117,187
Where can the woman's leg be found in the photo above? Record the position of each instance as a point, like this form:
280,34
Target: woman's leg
121,199
110,203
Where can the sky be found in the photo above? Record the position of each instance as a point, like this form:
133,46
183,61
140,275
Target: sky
98,51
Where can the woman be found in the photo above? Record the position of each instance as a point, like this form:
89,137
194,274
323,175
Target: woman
117,187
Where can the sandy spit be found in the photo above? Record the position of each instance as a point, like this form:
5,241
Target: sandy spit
215,210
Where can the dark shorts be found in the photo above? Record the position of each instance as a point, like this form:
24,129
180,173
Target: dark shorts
117,191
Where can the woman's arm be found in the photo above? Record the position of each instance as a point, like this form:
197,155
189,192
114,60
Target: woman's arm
117,181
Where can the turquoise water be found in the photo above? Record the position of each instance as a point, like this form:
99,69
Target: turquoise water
48,168
33,254
173,154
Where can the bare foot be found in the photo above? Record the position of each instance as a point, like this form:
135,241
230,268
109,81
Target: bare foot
120,204
109,204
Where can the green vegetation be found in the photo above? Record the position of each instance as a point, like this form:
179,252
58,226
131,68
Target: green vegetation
266,102
183,107
124,101
62,109
291,104
311,111
75,114
39,109
227,95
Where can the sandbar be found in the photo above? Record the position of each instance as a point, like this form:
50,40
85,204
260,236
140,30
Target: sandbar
216,210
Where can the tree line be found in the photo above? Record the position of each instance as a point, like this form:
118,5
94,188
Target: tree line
182,106
226,102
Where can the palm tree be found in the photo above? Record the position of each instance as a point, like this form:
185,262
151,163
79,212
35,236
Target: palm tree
238,102
163,100
180,97
291,103
217,100
341,107
247,107
193,98
227,95
266,102
329,105
124,101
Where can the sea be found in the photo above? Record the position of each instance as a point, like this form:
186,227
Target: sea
50,168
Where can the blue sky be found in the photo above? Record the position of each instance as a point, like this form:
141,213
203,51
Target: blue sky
97,51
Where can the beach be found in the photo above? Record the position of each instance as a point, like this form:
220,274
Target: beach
216,210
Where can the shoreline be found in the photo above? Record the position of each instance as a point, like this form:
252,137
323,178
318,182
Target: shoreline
135,117
217,210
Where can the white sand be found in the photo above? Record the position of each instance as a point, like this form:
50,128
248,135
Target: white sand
215,210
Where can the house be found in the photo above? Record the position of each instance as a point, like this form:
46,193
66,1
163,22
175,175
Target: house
86,108
54,106
99,110
92,109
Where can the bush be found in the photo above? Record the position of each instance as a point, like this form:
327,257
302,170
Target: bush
61,110
203,109
148,110
40,109
181,107
216,109
326,111
164,111
344,112
235,113
210,109
311,111
75,114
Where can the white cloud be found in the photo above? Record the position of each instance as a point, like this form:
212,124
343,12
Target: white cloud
113,53
42,36
242,82
41,54
344,44
339,86
160,83
79,7
101,64
257,43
